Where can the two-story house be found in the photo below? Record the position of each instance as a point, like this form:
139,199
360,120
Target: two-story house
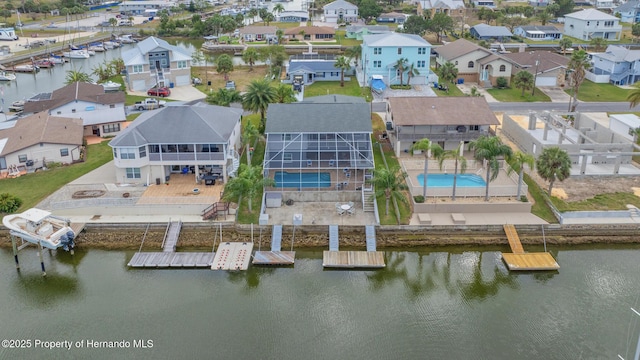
199,139
102,113
590,23
474,63
143,7
155,62
622,65
449,7
446,121
340,11
380,54
629,11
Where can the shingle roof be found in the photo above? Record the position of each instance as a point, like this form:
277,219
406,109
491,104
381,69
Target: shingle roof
136,56
547,60
41,128
394,15
590,14
491,31
628,6
310,65
458,48
318,118
330,99
394,39
441,111
442,4
310,30
339,4
618,53
258,29
76,91
198,123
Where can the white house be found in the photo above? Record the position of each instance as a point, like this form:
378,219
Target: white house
590,23
140,7
624,124
340,11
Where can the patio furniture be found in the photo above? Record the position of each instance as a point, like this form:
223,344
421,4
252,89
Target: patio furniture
351,211
339,209
309,163
332,162
351,204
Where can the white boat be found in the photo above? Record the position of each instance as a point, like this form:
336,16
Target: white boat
42,228
17,106
111,86
97,47
126,39
111,44
58,60
91,52
76,54
6,76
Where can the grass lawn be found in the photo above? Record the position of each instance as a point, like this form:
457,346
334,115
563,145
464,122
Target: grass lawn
350,88
590,91
611,201
453,91
515,95
539,207
244,216
35,187
341,38
241,75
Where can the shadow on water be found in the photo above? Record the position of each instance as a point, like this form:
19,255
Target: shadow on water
46,290
250,277
66,258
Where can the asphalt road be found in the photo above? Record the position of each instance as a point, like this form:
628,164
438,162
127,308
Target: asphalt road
582,106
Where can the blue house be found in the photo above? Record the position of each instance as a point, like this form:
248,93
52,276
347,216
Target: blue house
629,11
307,69
380,53
621,64
488,32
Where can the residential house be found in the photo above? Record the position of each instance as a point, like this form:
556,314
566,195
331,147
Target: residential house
335,99
590,23
155,62
484,3
200,139
380,54
392,17
446,121
293,16
102,114
37,140
621,65
449,7
358,31
340,11
311,33
538,32
606,5
141,7
629,11
474,63
307,69
625,125
257,33
490,33
536,3
548,68
311,147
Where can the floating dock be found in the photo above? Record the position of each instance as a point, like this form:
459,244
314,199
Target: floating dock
275,256
518,260
171,260
232,256
370,259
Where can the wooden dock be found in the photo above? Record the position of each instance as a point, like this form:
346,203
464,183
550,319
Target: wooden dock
275,256
77,227
519,260
171,260
353,259
232,256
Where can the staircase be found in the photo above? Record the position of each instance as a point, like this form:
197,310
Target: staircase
367,201
214,211
235,163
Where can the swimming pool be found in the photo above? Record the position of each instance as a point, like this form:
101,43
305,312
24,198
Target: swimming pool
302,180
446,180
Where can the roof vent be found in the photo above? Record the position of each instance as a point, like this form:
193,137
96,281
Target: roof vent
433,106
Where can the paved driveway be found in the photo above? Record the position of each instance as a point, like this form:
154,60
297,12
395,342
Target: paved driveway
556,93
181,93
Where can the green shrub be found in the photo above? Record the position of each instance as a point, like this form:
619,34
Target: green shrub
523,198
418,199
9,203
501,82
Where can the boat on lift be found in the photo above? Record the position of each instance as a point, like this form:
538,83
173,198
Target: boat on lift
40,227
44,63
96,47
17,106
126,39
4,76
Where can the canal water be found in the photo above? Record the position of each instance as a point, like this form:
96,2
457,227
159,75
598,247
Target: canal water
427,304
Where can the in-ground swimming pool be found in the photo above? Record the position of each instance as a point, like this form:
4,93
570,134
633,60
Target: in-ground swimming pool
302,180
446,180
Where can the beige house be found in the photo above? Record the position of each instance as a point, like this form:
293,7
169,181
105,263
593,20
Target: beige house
321,33
548,69
39,139
155,62
257,33
475,63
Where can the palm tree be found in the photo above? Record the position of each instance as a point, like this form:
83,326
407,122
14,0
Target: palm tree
278,8
411,72
490,149
249,182
284,94
456,155
544,17
565,43
390,183
553,164
354,52
523,80
250,135
117,65
428,148
342,63
400,66
250,56
224,97
448,72
113,22
518,161
634,96
578,65
279,36
259,95
269,18
598,43
77,76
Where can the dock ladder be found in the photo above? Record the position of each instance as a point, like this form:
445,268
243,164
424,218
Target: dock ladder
333,238
370,235
276,238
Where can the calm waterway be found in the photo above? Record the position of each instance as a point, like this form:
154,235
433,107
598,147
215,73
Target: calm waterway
444,303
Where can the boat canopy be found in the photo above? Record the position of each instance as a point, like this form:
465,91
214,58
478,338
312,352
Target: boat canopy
35,215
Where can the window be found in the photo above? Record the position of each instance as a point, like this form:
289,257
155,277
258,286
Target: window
503,68
112,106
22,158
608,23
155,149
377,51
64,152
287,157
109,128
286,137
456,63
421,63
377,64
474,127
127,153
133,173
3,163
73,111
142,151
137,68
588,23
182,64
470,65
422,51
399,51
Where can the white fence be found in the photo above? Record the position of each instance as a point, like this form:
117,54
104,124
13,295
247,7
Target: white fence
599,79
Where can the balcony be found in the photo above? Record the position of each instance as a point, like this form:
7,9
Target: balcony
186,156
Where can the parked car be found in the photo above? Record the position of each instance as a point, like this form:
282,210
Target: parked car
230,85
162,92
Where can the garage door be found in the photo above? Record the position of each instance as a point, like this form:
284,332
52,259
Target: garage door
182,80
139,85
546,81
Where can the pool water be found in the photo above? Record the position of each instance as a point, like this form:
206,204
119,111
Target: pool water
302,180
446,180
